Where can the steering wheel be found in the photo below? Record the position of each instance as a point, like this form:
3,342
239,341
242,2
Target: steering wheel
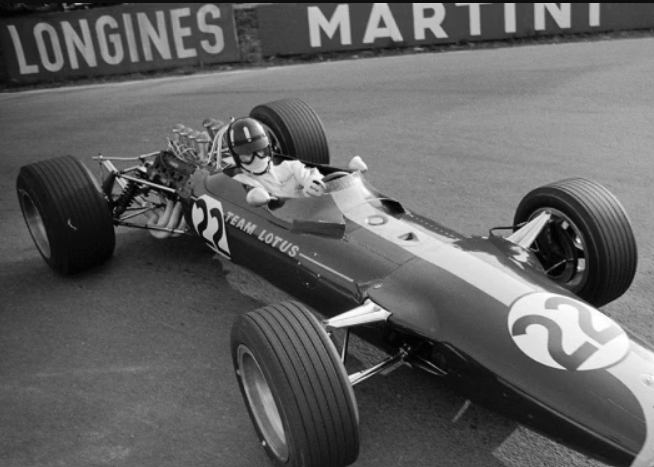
335,175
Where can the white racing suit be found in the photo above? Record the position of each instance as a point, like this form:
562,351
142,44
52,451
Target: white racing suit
287,179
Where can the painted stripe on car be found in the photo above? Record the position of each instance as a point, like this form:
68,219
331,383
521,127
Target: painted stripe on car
498,284
635,372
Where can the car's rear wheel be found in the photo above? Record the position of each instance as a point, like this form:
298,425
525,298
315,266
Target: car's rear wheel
295,130
588,246
69,219
295,387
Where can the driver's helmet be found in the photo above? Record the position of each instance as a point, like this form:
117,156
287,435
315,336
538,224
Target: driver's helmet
247,139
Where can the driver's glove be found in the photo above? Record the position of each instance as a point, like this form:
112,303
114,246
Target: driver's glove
315,188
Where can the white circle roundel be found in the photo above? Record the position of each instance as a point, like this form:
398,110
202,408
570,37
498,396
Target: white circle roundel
566,334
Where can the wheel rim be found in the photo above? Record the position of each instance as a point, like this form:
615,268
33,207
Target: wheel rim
562,250
35,224
261,402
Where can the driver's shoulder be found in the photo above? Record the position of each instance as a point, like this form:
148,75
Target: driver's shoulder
282,160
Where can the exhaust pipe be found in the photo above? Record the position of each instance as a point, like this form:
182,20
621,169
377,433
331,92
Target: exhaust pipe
169,218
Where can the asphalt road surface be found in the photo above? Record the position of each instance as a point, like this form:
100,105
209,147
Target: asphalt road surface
128,365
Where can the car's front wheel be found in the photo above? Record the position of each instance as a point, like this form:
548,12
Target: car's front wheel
295,388
588,246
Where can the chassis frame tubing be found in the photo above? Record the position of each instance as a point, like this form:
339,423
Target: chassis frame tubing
370,313
122,179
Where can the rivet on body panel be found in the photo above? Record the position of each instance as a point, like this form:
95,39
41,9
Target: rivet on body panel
377,220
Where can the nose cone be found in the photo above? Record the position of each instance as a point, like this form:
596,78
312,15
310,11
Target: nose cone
636,373
582,364
589,382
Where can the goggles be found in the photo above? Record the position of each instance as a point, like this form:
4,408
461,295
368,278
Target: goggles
248,158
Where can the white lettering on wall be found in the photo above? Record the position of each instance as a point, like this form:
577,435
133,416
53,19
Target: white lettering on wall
474,10
214,12
131,38
40,30
340,21
23,67
115,38
75,43
560,13
509,18
104,39
179,33
433,22
381,13
151,36
594,14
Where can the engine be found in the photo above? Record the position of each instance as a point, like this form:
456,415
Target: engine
170,171
168,174
188,150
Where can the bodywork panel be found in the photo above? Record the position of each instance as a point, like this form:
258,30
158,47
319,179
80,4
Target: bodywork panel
483,296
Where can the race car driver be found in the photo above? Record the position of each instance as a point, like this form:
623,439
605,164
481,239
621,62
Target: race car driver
250,146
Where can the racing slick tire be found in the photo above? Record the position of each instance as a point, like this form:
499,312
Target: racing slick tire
296,129
588,246
295,387
69,219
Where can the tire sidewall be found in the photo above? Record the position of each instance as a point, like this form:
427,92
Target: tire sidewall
74,215
543,198
247,335
305,377
51,222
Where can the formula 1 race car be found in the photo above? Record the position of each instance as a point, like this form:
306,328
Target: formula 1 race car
515,312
